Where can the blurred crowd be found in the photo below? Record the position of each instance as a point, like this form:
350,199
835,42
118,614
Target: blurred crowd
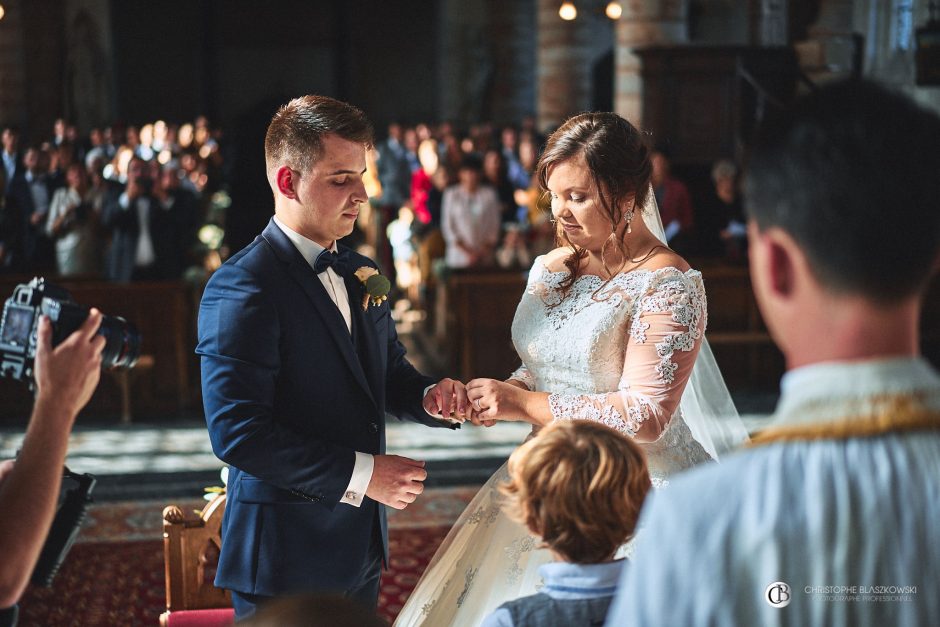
120,203
446,201
127,203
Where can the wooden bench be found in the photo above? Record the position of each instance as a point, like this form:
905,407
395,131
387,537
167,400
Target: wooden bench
164,314
191,547
476,312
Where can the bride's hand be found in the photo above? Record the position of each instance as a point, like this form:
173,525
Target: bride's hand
494,400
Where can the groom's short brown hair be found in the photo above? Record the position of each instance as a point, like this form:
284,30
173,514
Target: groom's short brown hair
579,485
295,134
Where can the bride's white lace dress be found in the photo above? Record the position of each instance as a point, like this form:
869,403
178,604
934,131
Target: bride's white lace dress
618,353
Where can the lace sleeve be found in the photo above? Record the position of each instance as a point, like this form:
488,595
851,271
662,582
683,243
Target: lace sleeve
523,376
665,336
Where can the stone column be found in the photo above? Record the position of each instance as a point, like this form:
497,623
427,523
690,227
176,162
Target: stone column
644,23
513,41
564,66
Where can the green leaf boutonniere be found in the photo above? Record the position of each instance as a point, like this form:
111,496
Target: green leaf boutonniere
376,286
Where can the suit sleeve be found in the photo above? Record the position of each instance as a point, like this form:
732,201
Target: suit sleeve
238,345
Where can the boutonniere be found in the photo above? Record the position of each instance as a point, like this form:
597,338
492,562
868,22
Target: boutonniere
375,285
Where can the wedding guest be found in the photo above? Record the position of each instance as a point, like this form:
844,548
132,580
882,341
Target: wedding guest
518,175
719,223
513,252
495,175
73,225
401,238
394,169
421,183
470,221
28,195
579,487
675,203
66,377
838,500
11,154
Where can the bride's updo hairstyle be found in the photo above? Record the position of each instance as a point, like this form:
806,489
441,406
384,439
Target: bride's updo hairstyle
619,162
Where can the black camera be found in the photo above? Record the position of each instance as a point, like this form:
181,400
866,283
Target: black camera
21,314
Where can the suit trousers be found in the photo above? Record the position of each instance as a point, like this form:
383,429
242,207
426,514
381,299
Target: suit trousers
364,591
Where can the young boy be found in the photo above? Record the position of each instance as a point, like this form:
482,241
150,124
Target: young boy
579,486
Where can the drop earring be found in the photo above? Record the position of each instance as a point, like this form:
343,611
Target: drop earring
628,218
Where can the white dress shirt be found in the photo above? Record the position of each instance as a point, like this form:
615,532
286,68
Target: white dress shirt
471,220
144,253
336,288
9,164
850,526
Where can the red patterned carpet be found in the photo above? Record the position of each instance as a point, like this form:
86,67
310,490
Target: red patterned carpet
114,573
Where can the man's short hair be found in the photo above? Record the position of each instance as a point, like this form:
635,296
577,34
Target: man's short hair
579,485
295,134
852,173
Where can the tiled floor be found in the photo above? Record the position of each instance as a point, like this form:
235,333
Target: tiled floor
185,447
136,449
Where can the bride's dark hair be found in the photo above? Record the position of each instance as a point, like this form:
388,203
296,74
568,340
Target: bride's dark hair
618,159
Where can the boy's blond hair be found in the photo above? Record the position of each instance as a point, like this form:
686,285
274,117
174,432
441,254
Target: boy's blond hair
580,486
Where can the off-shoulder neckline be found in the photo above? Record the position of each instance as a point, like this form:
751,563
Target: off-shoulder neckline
691,272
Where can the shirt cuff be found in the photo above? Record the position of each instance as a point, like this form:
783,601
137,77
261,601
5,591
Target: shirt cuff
359,482
425,393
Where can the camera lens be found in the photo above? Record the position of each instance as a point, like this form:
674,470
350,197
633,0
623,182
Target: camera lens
122,343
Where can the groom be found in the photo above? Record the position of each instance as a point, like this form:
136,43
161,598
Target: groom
298,371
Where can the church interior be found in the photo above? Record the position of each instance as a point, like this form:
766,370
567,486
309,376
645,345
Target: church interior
187,89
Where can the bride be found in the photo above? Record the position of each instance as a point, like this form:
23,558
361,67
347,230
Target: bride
610,328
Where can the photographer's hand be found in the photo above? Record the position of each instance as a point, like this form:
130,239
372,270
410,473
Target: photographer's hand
65,377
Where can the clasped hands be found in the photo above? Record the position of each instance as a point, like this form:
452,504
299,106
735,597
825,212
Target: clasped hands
481,401
397,481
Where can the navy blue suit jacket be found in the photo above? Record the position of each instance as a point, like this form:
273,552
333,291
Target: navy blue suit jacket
289,397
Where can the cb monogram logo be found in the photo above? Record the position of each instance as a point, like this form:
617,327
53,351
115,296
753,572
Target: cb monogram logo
777,594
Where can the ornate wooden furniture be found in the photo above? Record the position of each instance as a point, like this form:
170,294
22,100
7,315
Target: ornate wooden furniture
191,546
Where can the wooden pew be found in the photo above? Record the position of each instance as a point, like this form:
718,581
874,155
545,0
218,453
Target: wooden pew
476,311
478,308
162,311
743,348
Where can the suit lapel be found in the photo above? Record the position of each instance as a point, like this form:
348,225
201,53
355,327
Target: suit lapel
310,283
366,335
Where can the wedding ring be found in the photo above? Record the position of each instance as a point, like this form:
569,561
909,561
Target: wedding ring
476,404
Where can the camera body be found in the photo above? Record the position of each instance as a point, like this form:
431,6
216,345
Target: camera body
20,321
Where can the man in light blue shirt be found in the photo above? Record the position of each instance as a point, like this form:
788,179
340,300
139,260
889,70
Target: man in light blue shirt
832,516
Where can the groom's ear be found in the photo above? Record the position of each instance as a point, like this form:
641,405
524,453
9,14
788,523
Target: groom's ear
286,181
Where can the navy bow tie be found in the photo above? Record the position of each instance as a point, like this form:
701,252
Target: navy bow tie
329,259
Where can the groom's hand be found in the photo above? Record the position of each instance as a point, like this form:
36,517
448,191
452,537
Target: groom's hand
447,399
396,481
